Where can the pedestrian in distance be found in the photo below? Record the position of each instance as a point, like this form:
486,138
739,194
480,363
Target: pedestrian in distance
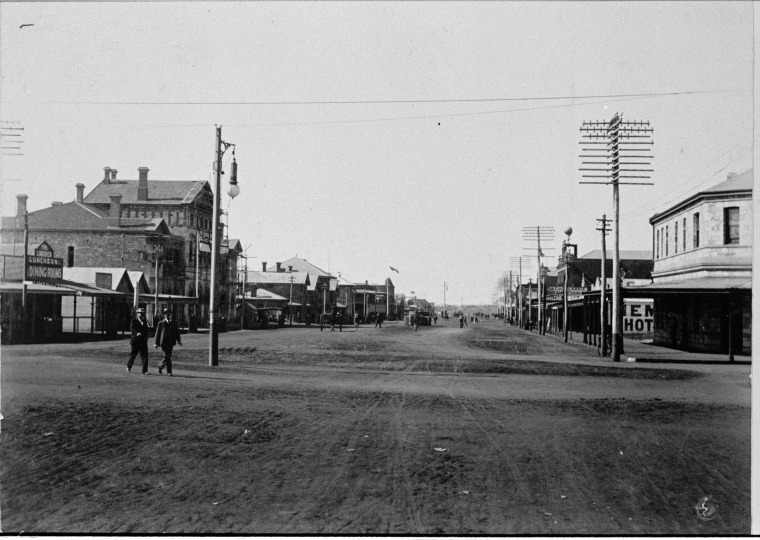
356,321
416,321
332,322
435,318
461,321
167,336
139,341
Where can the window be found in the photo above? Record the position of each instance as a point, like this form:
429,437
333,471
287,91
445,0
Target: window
684,234
70,257
675,237
731,225
695,232
667,238
657,246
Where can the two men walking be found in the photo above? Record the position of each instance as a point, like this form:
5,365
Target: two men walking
167,335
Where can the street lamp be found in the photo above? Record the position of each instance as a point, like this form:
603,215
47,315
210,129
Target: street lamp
233,191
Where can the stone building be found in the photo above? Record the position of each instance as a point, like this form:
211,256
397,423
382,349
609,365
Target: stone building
702,278
159,227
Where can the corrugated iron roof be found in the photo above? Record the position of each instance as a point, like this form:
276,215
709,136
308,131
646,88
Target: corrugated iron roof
159,191
299,278
302,265
82,217
86,275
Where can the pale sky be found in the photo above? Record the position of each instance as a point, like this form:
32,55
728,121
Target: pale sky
422,136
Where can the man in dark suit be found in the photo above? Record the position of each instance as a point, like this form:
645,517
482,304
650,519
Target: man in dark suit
167,335
139,341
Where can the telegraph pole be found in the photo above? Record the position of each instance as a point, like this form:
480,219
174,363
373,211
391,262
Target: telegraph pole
603,299
221,148
611,142
517,262
535,234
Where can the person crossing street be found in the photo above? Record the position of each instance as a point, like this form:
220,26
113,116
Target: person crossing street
167,335
139,341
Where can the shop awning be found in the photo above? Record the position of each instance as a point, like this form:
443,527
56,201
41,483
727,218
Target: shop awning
35,288
169,299
91,290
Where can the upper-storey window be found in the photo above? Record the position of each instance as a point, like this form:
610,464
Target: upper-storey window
675,238
667,240
684,234
657,244
731,225
695,227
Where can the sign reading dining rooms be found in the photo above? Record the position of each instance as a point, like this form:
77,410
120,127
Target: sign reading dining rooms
43,265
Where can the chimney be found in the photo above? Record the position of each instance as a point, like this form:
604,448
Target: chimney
107,176
21,205
113,174
279,269
142,184
56,203
290,268
263,266
114,215
80,192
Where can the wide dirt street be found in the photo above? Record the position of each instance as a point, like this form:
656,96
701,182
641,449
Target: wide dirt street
481,430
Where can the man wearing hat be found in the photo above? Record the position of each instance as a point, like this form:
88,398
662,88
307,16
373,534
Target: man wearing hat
167,335
139,341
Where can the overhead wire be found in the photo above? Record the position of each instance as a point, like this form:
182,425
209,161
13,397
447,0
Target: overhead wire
384,101
682,193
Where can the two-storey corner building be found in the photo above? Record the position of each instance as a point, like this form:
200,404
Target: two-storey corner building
702,278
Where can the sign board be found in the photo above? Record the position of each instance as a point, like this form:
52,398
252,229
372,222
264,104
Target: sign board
554,294
638,316
103,280
43,265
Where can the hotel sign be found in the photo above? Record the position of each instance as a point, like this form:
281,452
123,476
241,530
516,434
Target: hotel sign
43,265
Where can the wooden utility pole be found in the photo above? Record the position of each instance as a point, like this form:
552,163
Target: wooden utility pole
536,234
517,263
612,142
603,294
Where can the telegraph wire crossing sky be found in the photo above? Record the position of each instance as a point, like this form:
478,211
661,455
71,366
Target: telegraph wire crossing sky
422,136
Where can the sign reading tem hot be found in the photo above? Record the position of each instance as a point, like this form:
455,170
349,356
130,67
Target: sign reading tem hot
43,265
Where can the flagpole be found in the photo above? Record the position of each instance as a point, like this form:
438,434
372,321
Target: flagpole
444,296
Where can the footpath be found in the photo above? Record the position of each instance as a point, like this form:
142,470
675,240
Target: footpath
636,351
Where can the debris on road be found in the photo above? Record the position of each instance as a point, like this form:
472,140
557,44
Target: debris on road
441,449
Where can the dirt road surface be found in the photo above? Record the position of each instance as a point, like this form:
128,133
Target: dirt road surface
481,430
